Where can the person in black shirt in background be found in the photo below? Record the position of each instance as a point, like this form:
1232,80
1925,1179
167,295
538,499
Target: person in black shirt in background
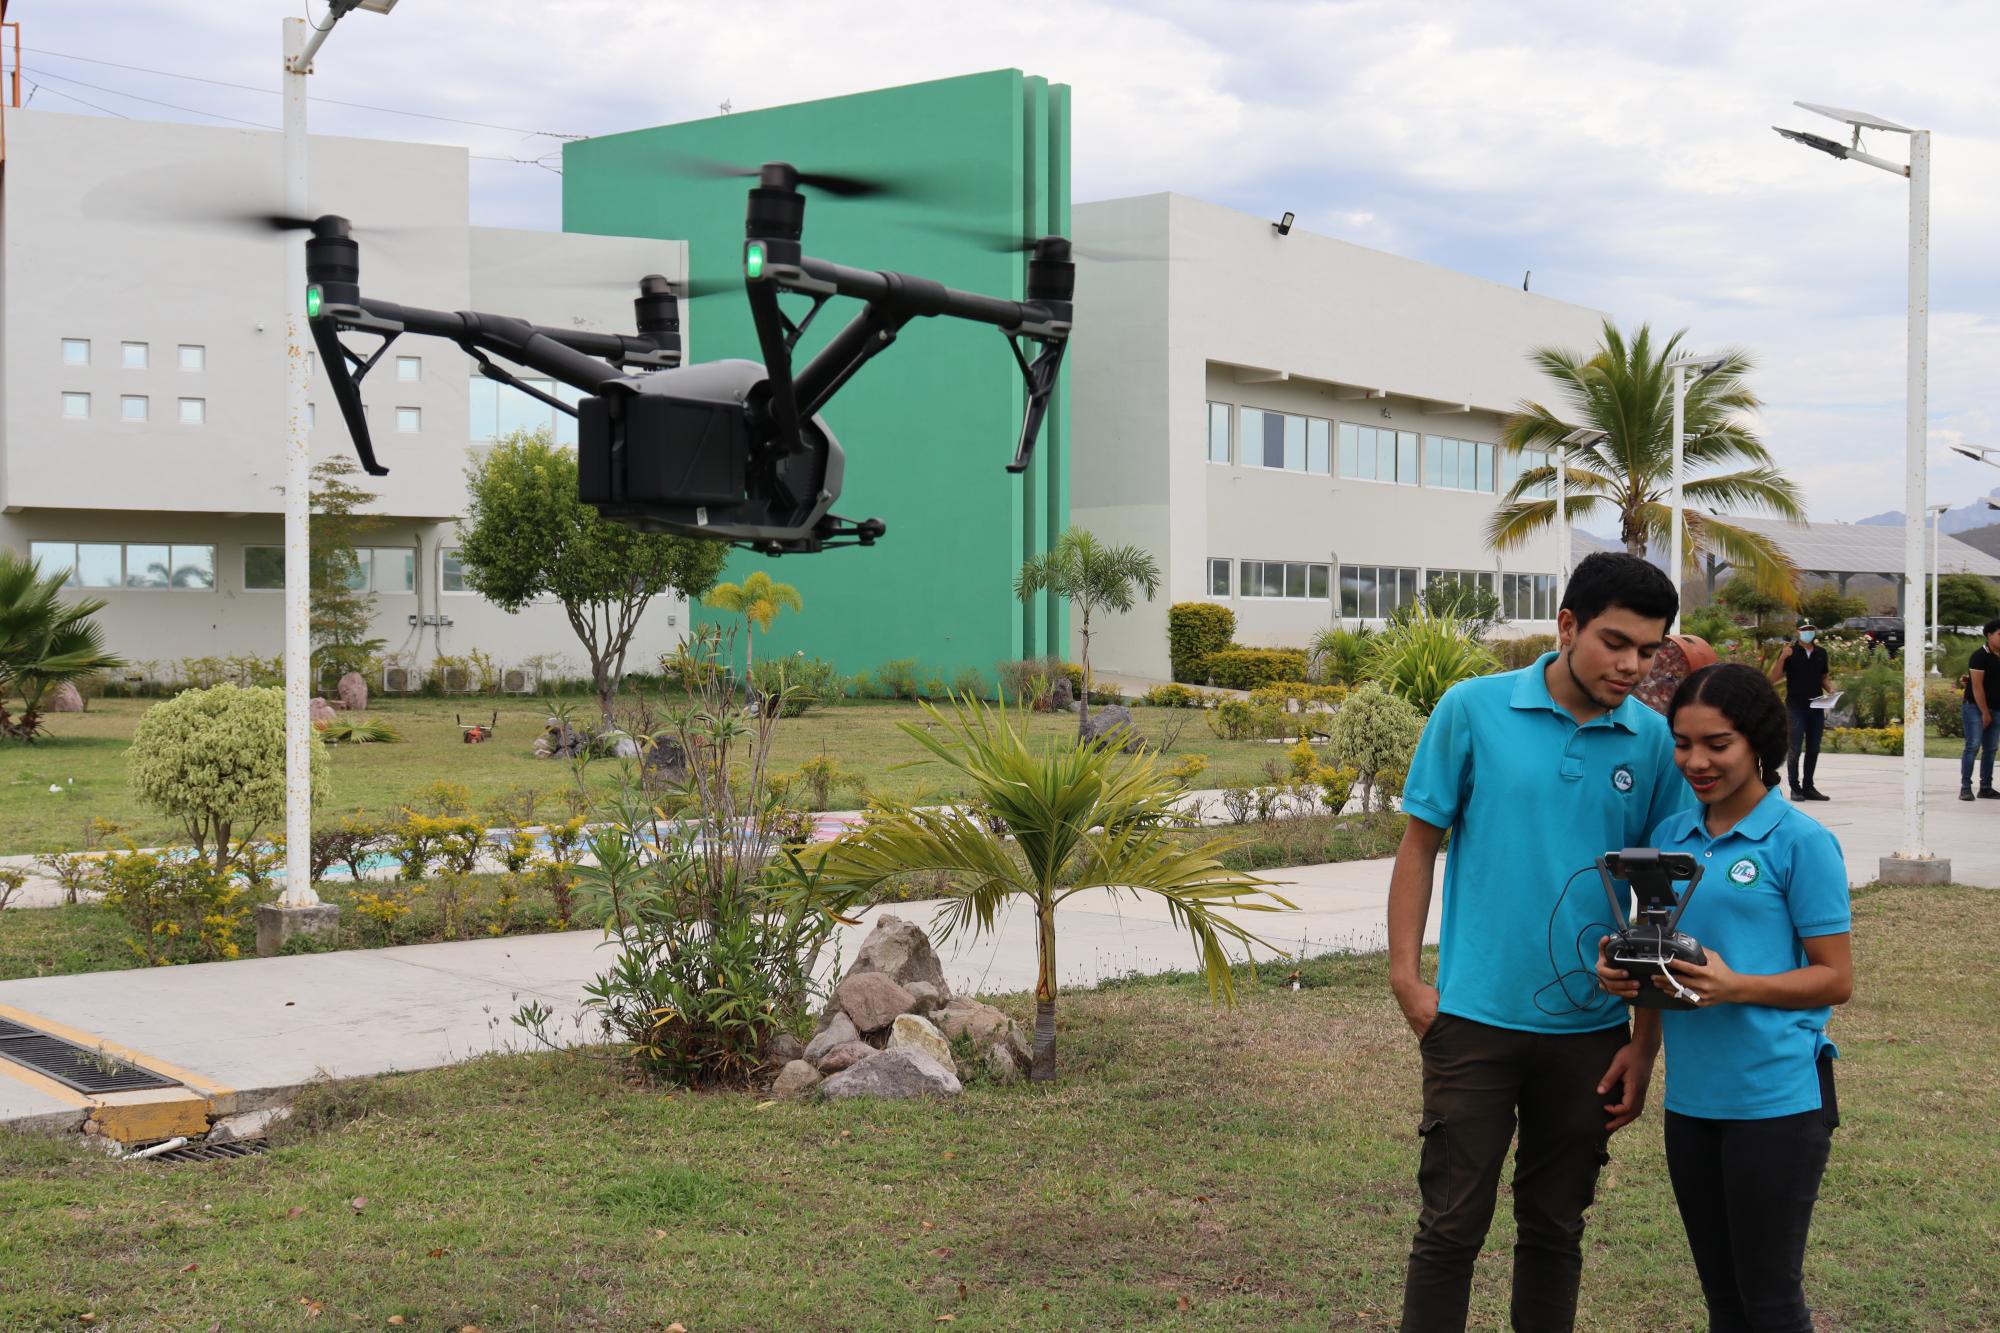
1981,711
1802,667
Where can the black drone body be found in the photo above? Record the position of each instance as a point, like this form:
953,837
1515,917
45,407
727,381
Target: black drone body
731,451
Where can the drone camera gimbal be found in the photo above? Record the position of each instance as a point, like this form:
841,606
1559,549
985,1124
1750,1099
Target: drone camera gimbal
731,450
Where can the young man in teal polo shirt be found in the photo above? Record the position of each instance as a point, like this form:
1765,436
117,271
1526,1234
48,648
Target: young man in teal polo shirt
1534,773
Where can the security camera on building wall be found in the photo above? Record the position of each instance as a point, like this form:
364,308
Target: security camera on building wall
731,451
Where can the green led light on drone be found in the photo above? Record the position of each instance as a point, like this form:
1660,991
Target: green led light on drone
753,260
312,301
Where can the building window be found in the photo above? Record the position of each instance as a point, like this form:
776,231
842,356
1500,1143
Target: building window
451,571
264,568
132,407
1513,462
1458,465
500,410
1528,596
134,354
409,368
1375,592
1218,432
1370,453
384,569
312,416
1218,578
76,407
140,565
194,411
1292,579
409,419
76,351
1283,441
193,356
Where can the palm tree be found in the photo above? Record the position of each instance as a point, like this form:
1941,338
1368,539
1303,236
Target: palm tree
1093,577
1625,390
43,640
1078,816
758,599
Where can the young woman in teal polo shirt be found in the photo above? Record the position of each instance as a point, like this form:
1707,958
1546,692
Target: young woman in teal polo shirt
1750,1105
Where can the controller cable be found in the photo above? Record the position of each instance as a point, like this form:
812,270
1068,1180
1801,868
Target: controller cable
1598,997
1680,992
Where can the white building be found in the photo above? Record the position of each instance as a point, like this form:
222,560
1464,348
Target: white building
142,348
1296,426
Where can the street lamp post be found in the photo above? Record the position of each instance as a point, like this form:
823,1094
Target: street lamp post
1937,513
1680,366
1914,864
298,909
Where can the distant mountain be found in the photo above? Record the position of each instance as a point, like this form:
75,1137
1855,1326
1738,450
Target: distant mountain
1986,539
1965,518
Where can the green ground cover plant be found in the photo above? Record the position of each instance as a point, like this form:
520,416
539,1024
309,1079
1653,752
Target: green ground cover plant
1195,1170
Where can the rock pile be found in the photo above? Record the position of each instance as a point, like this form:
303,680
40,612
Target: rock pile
890,1024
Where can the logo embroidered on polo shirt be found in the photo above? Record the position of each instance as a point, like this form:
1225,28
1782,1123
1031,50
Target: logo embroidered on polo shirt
1621,778
1744,873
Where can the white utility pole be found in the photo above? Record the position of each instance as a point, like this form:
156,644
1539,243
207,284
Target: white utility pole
1914,864
1583,437
1676,543
1937,576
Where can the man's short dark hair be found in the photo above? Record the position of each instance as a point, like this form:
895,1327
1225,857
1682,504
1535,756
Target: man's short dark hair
1613,578
1991,625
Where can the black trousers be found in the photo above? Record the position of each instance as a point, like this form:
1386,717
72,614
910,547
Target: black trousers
1478,1081
1808,725
1746,1190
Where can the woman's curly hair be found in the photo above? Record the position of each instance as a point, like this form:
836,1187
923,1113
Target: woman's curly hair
1743,695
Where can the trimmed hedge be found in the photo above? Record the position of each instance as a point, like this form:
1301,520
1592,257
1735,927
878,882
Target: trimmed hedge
1194,630
1248,668
1278,692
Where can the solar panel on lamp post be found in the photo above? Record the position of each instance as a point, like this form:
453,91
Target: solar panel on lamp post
1914,864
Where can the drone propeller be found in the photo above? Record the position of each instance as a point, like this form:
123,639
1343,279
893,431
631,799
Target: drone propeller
841,185
996,241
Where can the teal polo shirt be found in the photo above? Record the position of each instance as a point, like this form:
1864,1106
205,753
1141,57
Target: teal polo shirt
1770,883
1532,800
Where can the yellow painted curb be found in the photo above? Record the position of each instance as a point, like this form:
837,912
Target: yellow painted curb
91,1041
151,1115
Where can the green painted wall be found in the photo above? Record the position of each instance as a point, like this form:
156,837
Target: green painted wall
928,426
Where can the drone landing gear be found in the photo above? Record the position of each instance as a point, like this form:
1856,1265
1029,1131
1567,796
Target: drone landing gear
831,532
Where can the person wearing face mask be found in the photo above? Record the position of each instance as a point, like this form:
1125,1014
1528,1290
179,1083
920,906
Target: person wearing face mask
1803,667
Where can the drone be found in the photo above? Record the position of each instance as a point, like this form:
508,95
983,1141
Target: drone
733,451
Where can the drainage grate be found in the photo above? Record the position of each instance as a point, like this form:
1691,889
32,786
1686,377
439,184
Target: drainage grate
73,1065
214,1152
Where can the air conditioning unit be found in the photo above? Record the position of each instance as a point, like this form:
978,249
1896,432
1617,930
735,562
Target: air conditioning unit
517,680
395,680
456,680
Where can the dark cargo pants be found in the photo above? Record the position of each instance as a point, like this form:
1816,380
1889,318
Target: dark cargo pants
1477,1080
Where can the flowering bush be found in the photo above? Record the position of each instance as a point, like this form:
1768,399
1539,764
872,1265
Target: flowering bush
179,908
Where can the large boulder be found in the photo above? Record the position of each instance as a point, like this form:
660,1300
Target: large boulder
986,1028
783,1049
795,1078
900,950
321,712
845,1056
64,698
893,1074
911,1033
1062,695
1111,726
929,998
871,1000
837,1032
353,692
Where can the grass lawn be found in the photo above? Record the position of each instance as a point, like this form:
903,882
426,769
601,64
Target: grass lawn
1248,1169
82,755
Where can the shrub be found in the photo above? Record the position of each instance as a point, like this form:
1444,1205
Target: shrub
1187,768
1826,606
897,679
1237,668
1941,706
1876,693
72,871
969,684
805,683
214,760
1241,720
1712,624
1524,651
1865,740
1282,692
1175,696
1030,679
1422,657
1194,630
1340,655
1335,786
822,777
11,881
1375,734
180,909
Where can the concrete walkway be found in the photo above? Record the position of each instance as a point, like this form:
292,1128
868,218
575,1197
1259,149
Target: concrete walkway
245,1033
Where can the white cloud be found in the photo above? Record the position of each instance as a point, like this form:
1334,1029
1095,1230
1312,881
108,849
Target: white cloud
1621,152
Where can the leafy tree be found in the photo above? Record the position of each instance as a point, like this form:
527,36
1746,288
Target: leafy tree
343,607
1769,614
44,641
1045,825
1826,606
214,760
1966,599
527,535
1625,389
1093,577
758,599
1375,733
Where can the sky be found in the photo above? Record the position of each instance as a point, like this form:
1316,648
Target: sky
1622,153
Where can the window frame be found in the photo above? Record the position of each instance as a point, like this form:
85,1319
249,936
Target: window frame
201,411
1375,580
145,351
1295,434
416,417
248,586
1283,570
1227,566
417,372
1376,444
68,343
1228,411
200,351
145,402
74,396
